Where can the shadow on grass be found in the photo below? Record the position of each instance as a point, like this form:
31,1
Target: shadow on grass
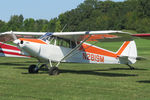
44,69
93,72
144,81
13,64
34,62
126,69
21,67
18,64
88,72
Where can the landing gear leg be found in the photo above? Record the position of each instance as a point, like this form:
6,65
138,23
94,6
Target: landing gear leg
35,69
43,65
131,67
53,70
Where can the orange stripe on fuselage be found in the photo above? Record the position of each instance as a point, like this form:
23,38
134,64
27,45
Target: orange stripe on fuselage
96,50
33,40
123,47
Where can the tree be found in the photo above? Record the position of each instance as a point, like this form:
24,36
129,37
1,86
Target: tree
58,26
143,7
90,15
3,26
16,23
29,24
39,24
51,25
44,28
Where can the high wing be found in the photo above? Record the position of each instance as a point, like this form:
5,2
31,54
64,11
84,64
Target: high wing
102,36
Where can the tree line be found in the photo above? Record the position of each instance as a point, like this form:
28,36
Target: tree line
90,15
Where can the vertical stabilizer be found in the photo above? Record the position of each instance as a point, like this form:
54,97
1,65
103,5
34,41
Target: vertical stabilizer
127,53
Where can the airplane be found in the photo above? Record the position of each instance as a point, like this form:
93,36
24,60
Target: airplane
53,48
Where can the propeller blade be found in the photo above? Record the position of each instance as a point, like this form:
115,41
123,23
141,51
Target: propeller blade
13,35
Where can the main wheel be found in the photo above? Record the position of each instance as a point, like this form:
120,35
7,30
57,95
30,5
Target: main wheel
33,69
53,71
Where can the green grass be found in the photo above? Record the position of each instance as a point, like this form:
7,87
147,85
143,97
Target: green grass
77,81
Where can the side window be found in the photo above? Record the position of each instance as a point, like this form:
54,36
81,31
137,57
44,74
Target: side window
62,42
72,44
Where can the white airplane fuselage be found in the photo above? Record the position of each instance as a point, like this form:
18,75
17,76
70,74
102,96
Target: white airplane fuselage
46,52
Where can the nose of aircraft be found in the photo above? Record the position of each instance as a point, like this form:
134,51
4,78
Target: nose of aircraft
30,48
33,50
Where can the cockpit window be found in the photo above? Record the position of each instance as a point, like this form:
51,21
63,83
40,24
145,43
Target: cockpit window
62,42
58,41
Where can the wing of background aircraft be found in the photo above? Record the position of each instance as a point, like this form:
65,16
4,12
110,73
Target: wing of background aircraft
145,36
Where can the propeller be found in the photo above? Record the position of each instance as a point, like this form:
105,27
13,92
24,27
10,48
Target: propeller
16,41
13,35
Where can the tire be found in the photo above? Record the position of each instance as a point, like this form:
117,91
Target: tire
53,71
33,69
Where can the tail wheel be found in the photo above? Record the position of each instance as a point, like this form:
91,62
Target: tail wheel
33,69
53,71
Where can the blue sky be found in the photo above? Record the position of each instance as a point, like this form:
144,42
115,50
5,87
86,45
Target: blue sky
37,9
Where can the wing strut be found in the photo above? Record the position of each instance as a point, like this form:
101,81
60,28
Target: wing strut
83,49
74,49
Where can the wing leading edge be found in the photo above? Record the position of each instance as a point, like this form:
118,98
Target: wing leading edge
102,36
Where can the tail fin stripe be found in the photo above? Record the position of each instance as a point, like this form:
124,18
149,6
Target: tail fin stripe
123,47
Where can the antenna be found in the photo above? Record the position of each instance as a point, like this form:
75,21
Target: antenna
63,28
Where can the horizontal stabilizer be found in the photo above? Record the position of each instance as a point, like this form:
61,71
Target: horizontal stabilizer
7,50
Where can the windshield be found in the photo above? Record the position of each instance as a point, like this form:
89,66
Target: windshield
46,36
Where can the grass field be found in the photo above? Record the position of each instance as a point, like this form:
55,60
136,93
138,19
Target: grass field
78,81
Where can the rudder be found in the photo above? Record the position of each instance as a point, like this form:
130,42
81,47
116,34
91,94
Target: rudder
127,53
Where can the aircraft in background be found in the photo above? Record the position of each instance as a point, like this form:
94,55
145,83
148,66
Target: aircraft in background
57,47
145,36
